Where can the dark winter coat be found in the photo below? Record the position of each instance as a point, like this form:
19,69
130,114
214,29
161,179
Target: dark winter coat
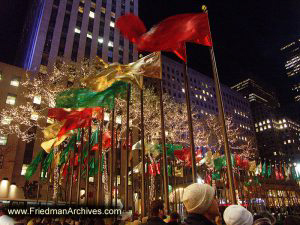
155,221
197,219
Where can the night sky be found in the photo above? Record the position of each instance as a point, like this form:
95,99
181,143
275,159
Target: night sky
247,35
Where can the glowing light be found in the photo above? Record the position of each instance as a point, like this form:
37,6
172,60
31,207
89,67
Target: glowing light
200,180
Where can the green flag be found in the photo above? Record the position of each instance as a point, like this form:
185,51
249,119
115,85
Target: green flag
264,169
216,176
65,152
169,170
85,98
269,171
47,162
31,169
219,163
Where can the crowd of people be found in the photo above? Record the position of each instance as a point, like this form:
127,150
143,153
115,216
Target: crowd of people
200,203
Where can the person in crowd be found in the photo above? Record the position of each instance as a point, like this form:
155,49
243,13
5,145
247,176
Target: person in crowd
144,219
174,219
266,214
4,218
237,215
262,221
201,204
157,213
292,220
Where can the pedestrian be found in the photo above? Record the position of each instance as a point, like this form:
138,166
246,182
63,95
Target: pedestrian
174,219
157,213
292,220
262,221
237,215
4,218
201,204
265,214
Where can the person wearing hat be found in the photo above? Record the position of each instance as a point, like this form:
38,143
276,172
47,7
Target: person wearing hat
5,219
157,213
237,215
201,204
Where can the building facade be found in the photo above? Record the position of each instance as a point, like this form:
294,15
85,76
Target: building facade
74,30
203,95
277,135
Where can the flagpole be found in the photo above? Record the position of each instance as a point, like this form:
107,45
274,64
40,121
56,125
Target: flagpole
72,172
127,147
222,120
111,155
164,153
190,119
80,165
143,152
99,175
115,168
39,185
48,183
87,166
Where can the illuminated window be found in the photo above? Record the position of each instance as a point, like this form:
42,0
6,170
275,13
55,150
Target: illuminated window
34,116
269,126
268,121
255,124
100,40
37,99
112,24
11,99
289,141
110,44
50,120
3,139
257,130
103,10
261,129
264,122
92,14
6,120
285,125
183,90
275,153
260,123
24,168
280,121
77,30
284,142
284,120
80,9
0,75
89,35
204,98
15,82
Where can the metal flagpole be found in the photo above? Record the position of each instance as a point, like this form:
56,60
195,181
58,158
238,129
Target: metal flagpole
115,168
39,185
48,182
132,183
99,175
80,165
111,155
164,153
222,121
190,119
127,148
143,152
72,172
87,166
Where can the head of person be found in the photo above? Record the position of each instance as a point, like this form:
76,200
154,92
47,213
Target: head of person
292,220
237,215
200,199
157,208
174,216
262,221
267,215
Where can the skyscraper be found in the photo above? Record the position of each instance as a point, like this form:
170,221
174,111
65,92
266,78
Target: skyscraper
291,54
73,30
276,134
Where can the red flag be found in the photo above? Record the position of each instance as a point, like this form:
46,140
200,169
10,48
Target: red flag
278,177
106,141
168,35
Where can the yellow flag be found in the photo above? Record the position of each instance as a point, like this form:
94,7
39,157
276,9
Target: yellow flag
149,66
50,134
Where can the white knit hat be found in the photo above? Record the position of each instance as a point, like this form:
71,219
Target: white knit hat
237,215
197,198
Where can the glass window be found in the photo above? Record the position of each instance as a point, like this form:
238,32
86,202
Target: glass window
37,99
24,168
11,99
6,120
0,75
15,82
3,139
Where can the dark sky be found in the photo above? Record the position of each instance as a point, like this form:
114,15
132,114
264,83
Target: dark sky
247,35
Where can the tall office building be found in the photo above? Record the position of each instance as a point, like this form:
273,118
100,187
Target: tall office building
291,54
73,30
203,95
277,135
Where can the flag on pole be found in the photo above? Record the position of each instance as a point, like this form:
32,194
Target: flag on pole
149,66
269,173
85,98
264,169
168,35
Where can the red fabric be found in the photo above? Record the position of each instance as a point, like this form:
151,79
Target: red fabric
157,165
168,35
74,119
245,164
238,160
207,179
64,173
136,28
184,155
106,142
